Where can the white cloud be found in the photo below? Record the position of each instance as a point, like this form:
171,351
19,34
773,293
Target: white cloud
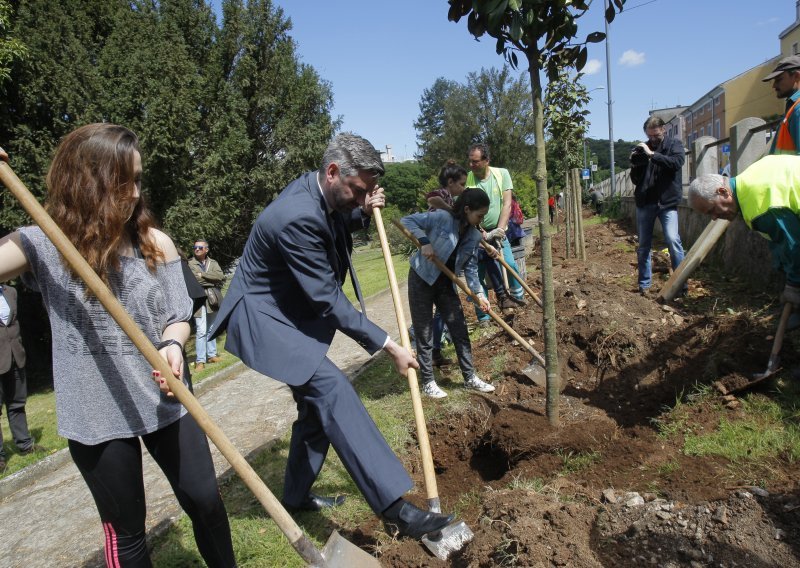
631,58
592,66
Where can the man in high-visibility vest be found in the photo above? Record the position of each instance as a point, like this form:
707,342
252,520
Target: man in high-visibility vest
767,196
786,83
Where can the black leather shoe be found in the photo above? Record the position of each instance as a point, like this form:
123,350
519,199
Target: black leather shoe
32,449
414,522
315,503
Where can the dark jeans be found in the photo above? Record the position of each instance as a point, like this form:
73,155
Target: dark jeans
438,330
421,299
113,472
14,393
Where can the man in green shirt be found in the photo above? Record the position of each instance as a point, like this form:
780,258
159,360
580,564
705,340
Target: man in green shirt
496,183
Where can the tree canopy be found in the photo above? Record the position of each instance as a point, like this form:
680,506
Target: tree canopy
492,106
226,113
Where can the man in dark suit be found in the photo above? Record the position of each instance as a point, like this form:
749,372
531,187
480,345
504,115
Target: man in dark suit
13,388
282,309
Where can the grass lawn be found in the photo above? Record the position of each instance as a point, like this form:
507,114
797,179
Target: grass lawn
371,270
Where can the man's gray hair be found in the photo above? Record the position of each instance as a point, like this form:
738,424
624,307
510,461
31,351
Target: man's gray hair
352,154
705,187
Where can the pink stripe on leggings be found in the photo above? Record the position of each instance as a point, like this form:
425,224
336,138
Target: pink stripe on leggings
112,555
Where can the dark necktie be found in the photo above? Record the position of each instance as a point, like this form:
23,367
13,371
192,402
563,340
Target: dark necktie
340,242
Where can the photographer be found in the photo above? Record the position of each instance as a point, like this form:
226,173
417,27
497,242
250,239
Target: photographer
656,172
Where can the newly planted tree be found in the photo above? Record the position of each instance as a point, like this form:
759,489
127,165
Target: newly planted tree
546,33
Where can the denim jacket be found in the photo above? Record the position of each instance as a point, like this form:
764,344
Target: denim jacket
440,229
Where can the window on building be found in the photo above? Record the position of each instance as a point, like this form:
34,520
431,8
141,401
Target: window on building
717,129
795,48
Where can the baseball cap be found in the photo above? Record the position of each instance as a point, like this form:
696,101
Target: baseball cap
790,63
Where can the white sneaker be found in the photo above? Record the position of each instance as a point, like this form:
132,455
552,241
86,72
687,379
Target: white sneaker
475,383
432,390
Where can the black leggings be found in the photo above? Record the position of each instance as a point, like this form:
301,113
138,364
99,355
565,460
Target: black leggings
113,472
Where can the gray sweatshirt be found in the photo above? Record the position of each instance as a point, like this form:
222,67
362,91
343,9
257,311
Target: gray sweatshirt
103,385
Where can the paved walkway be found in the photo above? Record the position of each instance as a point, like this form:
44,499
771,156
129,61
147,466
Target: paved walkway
48,515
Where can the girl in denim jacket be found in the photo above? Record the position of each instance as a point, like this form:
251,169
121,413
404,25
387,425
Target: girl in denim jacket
453,237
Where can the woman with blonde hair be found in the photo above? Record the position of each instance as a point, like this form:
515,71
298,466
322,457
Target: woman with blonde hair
106,398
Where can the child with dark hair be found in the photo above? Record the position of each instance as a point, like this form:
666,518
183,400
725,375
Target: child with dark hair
453,237
452,179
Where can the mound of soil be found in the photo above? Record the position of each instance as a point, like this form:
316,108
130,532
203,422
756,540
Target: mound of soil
604,488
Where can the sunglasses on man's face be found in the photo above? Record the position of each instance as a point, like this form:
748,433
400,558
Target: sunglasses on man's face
199,248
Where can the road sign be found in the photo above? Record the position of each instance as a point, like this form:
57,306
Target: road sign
594,167
726,148
585,173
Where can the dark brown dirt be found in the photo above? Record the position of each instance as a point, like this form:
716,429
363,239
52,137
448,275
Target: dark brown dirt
534,494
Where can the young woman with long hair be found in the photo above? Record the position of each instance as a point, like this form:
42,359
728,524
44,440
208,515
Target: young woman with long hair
106,398
453,237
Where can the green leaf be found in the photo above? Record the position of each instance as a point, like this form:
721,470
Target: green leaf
581,60
610,13
476,25
595,37
516,26
500,46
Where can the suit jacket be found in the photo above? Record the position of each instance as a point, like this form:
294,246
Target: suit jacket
11,350
285,301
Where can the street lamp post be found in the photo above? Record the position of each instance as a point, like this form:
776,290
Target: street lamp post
586,187
610,114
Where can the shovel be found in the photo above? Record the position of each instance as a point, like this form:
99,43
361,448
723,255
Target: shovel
535,370
773,365
338,552
455,535
514,273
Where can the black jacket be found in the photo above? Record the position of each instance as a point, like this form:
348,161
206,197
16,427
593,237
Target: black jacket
659,179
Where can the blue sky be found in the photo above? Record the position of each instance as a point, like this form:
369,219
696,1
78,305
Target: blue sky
379,56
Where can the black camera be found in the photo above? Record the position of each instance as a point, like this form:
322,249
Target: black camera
638,156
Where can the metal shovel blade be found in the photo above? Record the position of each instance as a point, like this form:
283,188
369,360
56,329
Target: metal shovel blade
450,539
341,553
773,366
535,372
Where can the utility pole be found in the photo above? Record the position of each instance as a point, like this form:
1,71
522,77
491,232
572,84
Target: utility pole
586,181
610,113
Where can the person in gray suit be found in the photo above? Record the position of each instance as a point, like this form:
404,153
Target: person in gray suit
13,387
282,309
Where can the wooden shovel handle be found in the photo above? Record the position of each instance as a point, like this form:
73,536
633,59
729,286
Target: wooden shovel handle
299,541
514,273
441,266
428,469
785,314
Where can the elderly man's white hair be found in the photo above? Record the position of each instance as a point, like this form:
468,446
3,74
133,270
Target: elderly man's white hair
705,187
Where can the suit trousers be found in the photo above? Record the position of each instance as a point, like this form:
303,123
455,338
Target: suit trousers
13,394
331,413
